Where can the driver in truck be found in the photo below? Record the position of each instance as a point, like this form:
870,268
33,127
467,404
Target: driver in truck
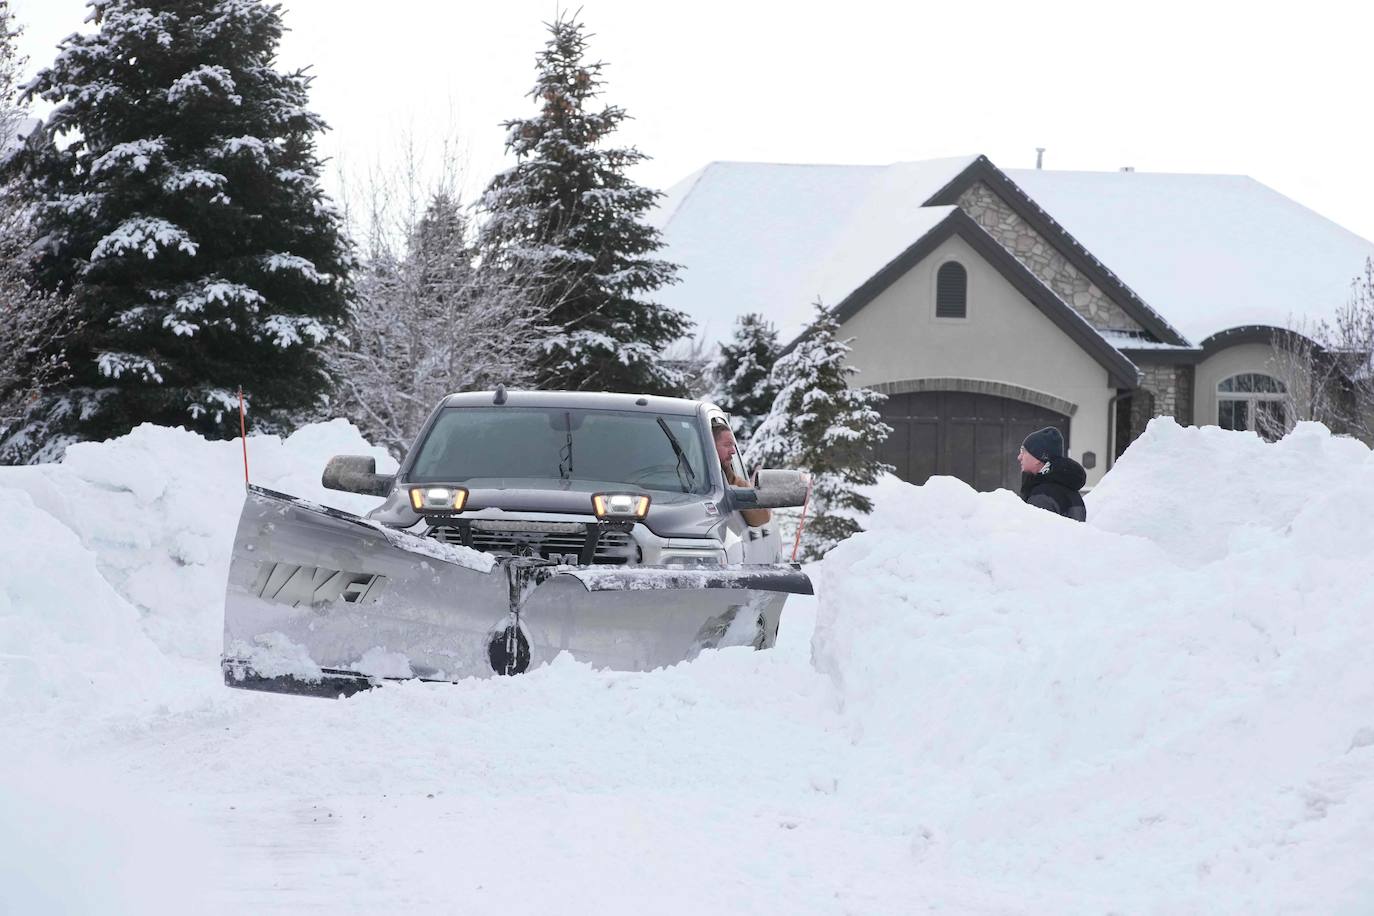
726,450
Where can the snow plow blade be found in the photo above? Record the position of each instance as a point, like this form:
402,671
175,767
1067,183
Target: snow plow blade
323,602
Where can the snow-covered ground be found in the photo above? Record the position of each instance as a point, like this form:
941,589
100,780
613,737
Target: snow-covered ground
1168,710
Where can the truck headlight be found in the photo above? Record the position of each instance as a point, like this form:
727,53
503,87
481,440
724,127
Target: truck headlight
620,505
438,499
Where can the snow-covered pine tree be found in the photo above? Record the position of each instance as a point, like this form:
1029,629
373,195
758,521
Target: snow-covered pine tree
427,323
32,323
744,382
176,188
568,216
822,425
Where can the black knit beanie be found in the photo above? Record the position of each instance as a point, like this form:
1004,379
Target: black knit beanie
1045,443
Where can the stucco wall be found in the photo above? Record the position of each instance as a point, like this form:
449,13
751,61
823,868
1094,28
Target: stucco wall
1043,259
1249,357
1005,338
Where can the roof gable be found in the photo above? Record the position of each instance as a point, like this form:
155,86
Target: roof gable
762,237
1122,373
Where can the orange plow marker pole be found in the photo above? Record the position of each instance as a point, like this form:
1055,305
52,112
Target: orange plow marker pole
243,436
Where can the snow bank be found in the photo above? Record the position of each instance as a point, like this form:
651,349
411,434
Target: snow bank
64,631
159,508
1168,709
1202,493
116,560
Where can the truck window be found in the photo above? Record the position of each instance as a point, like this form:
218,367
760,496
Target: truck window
584,449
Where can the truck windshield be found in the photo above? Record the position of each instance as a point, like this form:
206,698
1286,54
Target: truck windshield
585,449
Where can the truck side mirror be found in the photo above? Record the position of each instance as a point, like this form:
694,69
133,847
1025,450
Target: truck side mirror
356,474
774,489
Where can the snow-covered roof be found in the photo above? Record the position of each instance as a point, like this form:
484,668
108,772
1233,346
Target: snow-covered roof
763,237
1133,340
1208,252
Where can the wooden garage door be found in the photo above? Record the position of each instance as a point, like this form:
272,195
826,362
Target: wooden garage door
970,436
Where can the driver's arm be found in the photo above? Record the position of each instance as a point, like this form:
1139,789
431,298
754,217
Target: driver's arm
754,518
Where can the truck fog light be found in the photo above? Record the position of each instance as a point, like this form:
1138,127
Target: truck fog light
620,505
438,499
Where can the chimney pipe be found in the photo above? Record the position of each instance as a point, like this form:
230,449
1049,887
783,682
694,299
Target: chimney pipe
1128,168
1039,157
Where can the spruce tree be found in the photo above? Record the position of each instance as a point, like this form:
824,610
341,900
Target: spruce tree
33,324
568,218
820,424
744,382
176,187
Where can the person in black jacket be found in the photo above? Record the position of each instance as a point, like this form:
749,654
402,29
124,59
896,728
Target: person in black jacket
1049,478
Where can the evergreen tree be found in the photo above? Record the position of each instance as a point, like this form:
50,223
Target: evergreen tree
33,324
822,425
567,217
176,189
744,382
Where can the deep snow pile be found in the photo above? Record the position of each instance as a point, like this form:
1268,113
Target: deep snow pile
1170,709
122,550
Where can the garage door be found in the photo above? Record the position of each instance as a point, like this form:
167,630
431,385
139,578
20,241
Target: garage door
970,436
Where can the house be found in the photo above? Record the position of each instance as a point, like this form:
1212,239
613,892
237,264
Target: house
987,303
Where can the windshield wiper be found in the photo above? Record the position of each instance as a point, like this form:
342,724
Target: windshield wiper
689,481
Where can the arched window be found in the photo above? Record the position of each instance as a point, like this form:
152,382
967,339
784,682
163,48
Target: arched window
951,291
1253,401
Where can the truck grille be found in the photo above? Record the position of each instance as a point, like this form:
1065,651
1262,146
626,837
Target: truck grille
563,546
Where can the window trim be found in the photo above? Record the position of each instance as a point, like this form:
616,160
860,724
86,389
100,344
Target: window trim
1252,399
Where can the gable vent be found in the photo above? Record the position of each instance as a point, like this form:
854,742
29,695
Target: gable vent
951,291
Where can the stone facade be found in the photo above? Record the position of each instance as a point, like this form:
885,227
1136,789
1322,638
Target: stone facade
1185,377
1142,408
1165,391
1043,259
1172,390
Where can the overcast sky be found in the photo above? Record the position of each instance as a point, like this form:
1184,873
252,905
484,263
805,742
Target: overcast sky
1197,86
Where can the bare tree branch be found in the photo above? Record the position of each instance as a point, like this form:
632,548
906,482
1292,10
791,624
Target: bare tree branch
1328,366
430,319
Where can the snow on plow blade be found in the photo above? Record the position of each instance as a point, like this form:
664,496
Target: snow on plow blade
324,602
